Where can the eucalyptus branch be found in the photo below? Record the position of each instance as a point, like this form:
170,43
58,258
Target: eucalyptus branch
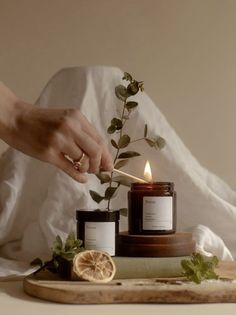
121,158
136,140
117,152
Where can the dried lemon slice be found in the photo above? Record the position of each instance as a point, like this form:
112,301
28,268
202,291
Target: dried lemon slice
94,265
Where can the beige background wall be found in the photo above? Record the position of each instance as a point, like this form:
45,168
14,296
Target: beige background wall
184,50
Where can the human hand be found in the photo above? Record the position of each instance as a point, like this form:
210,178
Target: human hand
58,136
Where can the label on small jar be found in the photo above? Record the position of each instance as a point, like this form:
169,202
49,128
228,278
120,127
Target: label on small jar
157,213
100,236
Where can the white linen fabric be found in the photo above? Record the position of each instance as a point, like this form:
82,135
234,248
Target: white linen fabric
38,201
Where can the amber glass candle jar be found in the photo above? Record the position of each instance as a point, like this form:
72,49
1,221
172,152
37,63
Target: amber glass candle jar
152,208
98,229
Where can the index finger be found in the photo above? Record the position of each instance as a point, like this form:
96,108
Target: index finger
106,158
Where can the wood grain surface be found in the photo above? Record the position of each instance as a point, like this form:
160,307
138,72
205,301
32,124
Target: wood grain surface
170,245
169,290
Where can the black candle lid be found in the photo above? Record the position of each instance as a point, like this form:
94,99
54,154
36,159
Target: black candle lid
97,215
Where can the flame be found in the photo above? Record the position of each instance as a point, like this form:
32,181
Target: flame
148,172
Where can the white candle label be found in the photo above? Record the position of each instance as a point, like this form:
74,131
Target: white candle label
100,236
157,213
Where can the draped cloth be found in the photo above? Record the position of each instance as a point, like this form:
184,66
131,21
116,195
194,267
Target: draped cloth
38,201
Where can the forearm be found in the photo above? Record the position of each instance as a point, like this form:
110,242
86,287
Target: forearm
8,105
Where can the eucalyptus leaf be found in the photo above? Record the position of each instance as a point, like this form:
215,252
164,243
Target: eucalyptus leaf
150,142
109,193
128,154
160,142
131,105
121,92
145,131
123,141
111,129
127,77
157,143
114,144
122,180
141,86
133,88
104,178
95,196
117,123
124,212
121,163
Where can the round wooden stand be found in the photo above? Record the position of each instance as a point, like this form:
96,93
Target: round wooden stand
171,245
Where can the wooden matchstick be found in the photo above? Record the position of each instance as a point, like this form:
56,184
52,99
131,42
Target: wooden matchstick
137,179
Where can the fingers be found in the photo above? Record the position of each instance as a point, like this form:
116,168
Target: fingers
92,149
64,164
106,158
106,161
81,164
73,135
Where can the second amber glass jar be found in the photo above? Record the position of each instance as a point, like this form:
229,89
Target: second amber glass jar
152,208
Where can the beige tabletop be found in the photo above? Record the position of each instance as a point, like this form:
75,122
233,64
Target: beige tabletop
14,301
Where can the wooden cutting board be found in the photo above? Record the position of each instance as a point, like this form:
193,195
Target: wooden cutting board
169,290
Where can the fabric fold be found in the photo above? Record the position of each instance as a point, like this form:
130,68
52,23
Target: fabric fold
38,201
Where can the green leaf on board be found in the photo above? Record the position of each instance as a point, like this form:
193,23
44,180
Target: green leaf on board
72,245
123,141
57,245
128,154
120,164
198,269
95,196
69,244
61,254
